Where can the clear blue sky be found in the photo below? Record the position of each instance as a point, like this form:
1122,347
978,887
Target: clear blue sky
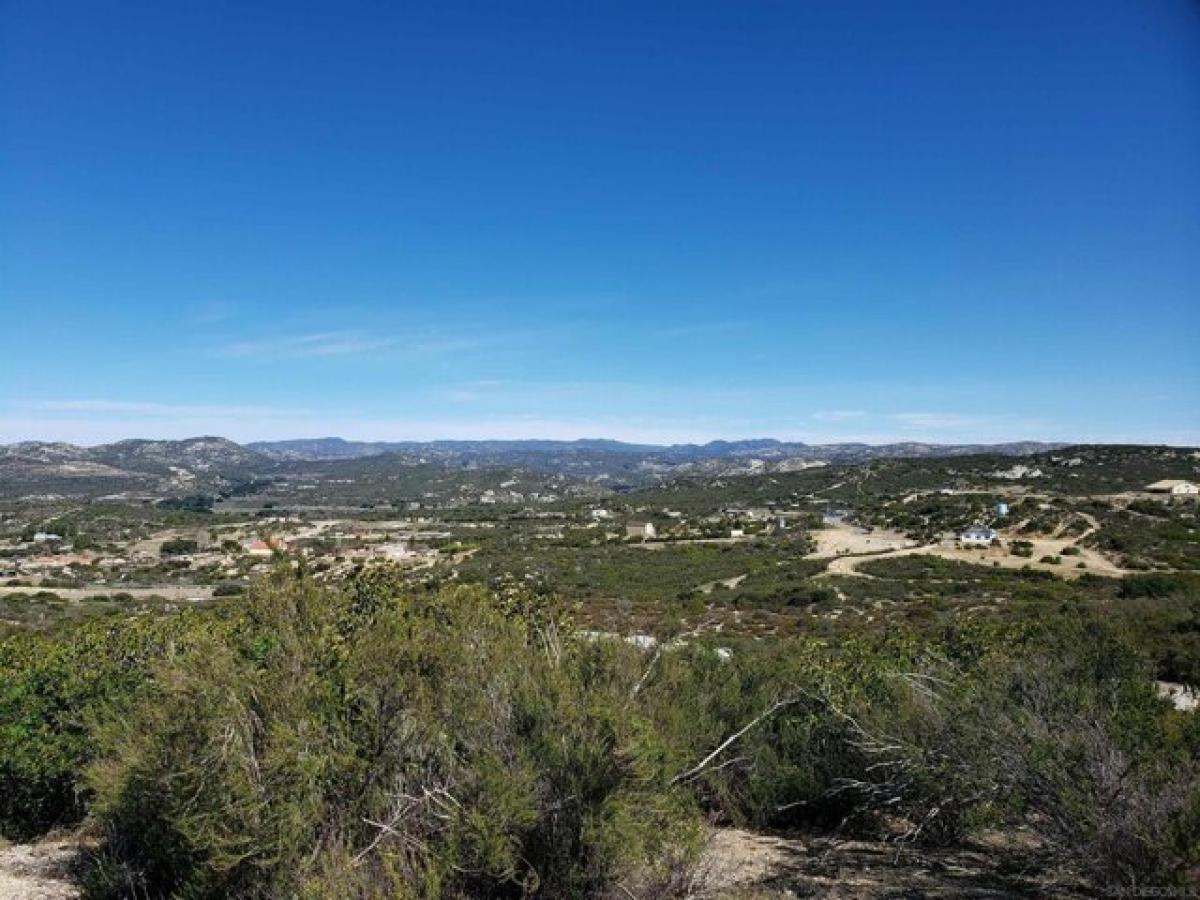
660,221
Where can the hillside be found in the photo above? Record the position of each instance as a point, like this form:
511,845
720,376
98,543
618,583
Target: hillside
201,464
214,465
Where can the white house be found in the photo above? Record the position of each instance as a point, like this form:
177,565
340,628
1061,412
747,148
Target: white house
644,530
1176,487
977,536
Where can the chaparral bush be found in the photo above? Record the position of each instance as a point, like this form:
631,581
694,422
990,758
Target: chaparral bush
379,743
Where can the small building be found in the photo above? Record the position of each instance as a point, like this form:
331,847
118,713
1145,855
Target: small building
599,514
1176,487
266,548
397,550
43,537
977,536
1001,508
638,529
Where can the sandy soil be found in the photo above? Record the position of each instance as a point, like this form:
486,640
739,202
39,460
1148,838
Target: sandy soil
38,871
1181,696
748,866
836,540
168,591
851,546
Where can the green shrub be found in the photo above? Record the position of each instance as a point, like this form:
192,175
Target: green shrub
379,740
1064,734
1156,585
177,547
372,743
783,771
51,684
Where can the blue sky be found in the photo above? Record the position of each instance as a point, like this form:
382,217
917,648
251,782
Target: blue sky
650,221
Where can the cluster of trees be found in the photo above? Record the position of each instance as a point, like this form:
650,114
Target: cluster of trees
196,503
378,740
620,570
178,547
1168,539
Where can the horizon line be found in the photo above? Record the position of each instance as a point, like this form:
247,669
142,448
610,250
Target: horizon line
1051,443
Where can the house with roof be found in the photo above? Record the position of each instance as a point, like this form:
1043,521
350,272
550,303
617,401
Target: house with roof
265,548
977,536
1176,487
639,529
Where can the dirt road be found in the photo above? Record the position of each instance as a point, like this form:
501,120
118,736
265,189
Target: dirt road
177,592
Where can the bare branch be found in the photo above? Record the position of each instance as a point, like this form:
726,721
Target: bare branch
701,766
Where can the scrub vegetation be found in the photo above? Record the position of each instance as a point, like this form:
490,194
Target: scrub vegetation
374,740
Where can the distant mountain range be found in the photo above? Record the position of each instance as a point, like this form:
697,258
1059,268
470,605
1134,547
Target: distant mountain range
214,464
194,465
764,448
217,466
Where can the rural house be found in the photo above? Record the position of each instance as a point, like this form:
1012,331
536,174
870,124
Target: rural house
1176,487
977,537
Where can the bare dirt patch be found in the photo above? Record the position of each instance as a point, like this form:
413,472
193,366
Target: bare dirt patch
41,871
850,546
842,539
742,865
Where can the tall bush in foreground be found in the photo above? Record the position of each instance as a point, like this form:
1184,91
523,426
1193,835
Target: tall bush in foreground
51,686
378,744
1062,734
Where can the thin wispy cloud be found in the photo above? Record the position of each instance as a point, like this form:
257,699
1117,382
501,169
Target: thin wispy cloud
474,391
838,415
157,410
345,343
213,313
308,346
936,420
441,346
701,329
